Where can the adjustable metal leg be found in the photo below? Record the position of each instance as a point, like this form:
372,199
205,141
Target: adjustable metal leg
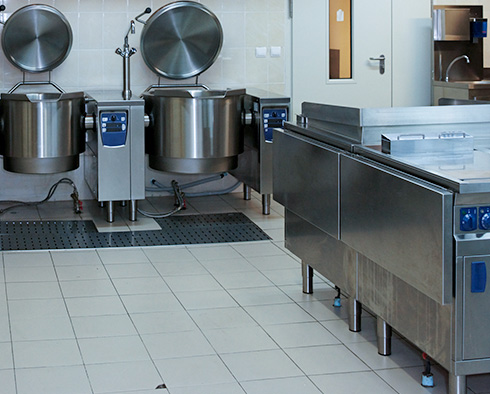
110,211
355,310
266,204
246,192
457,384
307,273
383,331
123,203
133,210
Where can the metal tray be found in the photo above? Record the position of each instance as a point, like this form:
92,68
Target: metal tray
181,40
36,38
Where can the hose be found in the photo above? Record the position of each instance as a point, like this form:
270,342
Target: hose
159,187
77,204
215,193
179,198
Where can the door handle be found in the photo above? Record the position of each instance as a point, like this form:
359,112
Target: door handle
382,60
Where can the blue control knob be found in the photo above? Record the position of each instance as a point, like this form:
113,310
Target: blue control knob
468,219
485,221
468,222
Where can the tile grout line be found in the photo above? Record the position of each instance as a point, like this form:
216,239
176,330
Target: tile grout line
9,323
259,325
192,319
71,324
129,314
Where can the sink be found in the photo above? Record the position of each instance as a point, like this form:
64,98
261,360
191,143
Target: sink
461,90
482,84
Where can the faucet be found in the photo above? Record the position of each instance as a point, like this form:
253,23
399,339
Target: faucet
454,61
126,53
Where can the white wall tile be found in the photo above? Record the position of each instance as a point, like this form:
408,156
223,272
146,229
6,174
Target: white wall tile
90,30
256,29
115,27
234,6
233,66
91,5
256,68
66,5
115,5
233,30
214,5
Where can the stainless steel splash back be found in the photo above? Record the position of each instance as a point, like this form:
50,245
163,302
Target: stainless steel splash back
194,131
366,125
41,133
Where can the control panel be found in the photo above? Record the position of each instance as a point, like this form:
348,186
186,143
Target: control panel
273,118
113,128
474,219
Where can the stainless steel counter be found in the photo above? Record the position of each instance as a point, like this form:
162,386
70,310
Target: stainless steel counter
482,84
409,241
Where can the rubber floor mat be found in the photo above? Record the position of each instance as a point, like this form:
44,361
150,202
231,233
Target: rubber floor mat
175,230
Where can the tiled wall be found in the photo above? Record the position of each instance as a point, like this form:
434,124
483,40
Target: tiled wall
99,27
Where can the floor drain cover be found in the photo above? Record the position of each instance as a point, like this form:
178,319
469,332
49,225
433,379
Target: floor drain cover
176,230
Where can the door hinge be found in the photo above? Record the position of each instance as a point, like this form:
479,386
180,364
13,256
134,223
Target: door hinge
290,10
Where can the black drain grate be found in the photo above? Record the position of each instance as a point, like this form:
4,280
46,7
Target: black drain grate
47,227
176,230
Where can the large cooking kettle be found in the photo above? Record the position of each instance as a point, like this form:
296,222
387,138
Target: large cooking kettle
193,129
40,132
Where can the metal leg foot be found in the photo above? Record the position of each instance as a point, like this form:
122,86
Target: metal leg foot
266,204
247,193
133,210
355,310
307,272
383,331
110,211
457,384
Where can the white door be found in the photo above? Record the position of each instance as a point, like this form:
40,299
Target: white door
371,38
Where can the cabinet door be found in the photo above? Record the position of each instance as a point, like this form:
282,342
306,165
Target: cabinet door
400,222
306,179
476,305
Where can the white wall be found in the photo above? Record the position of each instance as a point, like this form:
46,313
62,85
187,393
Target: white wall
412,52
410,26
99,27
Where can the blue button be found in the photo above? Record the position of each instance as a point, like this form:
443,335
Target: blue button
478,276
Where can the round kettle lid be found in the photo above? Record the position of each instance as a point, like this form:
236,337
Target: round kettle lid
36,38
181,40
